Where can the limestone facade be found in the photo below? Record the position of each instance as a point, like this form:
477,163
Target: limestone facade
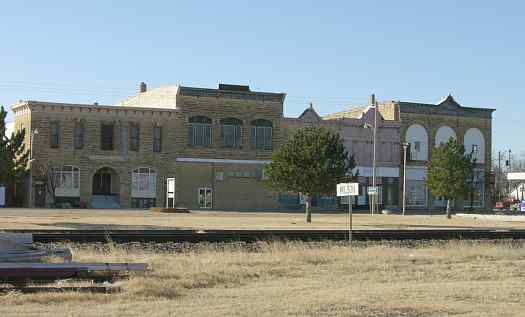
209,140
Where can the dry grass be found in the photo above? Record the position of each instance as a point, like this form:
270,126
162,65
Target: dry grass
299,279
133,219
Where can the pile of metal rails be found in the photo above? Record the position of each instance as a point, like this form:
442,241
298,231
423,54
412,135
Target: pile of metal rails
23,267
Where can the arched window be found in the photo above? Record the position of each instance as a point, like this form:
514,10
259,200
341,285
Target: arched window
417,138
144,181
199,131
475,144
261,134
444,134
231,132
66,181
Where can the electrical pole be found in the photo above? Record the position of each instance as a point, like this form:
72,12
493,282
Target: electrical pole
498,178
405,145
510,171
374,156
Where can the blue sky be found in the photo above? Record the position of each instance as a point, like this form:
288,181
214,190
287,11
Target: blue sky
332,53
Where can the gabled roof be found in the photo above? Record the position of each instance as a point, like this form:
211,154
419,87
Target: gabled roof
309,114
446,106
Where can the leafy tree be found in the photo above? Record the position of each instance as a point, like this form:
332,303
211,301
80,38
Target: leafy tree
13,157
448,172
312,162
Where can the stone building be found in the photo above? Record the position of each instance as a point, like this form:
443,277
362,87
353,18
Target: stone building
212,145
213,142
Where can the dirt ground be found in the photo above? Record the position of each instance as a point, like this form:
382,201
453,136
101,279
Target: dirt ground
456,278
11,218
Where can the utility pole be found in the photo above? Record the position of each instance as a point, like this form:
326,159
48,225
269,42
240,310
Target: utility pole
510,171
405,145
498,178
374,156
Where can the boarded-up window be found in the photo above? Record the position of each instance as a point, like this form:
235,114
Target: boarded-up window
106,137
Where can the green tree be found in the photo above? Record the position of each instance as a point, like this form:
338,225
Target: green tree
448,172
312,162
13,158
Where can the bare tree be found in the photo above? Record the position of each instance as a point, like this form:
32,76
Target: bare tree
46,174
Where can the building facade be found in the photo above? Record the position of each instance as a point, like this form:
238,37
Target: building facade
425,127
211,146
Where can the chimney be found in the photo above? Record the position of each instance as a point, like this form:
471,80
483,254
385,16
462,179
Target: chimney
372,100
95,103
143,87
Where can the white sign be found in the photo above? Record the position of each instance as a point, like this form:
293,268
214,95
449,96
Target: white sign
170,192
373,190
516,176
348,189
2,196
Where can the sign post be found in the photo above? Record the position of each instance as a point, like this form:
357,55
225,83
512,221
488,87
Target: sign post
348,190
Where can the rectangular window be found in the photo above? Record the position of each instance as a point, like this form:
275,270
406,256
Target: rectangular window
78,136
416,193
134,137
55,134
157,139
262,138
106,137
199,134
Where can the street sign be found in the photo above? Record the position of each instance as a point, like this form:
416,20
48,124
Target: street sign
522,207
348,189
373,190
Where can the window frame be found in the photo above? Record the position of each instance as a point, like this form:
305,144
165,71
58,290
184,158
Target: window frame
105,145
78,135
54,140
157,139
262,135
134,136
200,131
146,189
236,126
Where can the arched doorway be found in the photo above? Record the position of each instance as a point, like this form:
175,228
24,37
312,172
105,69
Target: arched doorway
105,189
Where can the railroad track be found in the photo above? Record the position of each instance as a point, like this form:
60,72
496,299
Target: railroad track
195,236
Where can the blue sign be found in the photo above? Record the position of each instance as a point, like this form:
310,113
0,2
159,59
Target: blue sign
522,206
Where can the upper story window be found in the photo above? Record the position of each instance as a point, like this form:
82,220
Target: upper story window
157,139
231,132
78,135
106,136
134,136
55,134
199,131
261,134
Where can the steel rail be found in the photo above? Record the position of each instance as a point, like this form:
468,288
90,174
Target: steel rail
195,236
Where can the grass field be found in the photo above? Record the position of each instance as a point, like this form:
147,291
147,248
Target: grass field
136,219
457,278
